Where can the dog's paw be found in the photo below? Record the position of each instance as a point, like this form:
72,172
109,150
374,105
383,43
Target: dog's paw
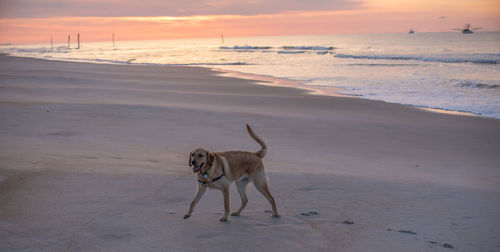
224,219
235,214
187,216
276,215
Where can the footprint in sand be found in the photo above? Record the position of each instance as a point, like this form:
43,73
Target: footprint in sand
310,213
407,232
446,245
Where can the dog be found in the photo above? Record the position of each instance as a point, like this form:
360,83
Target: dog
216,170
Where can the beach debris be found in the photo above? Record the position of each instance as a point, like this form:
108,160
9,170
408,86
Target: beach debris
171,212
446,245
433,242
389,229
310,213
348,222
407,232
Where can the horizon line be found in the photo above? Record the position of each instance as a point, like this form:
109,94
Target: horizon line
225,36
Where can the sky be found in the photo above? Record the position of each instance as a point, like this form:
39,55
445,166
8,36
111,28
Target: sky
35,21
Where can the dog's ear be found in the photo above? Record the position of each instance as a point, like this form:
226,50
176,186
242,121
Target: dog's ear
190,159
210,158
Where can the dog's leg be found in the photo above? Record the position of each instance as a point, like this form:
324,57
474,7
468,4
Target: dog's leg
264,189
260,182
227,207
199,193
242,190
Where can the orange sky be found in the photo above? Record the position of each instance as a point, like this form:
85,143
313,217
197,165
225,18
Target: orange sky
33,21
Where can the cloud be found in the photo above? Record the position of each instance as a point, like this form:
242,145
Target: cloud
442,17
116,8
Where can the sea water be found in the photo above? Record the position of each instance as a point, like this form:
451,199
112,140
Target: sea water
450,71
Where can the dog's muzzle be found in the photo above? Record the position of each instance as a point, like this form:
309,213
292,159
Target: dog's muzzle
196,168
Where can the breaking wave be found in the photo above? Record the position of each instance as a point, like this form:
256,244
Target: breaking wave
475,58
320,50
245,47
316,48
473,84
290,52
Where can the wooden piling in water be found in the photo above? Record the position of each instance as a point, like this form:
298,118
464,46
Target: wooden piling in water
68,40
51,44
78,38
113,36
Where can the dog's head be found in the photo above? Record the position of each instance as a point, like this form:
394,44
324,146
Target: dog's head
199,158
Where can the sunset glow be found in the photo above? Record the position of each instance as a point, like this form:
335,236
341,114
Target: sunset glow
26,22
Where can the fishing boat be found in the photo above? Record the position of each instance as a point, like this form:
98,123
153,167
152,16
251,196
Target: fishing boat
467,29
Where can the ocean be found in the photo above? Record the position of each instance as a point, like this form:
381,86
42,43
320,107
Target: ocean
448,71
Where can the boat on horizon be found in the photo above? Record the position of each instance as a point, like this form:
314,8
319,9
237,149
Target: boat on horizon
467,29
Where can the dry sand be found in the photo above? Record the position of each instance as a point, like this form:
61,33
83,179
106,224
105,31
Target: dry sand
94,157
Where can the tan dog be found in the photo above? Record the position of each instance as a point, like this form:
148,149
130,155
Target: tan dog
216,170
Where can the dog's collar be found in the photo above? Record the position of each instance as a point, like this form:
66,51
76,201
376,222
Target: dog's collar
213,180
205,175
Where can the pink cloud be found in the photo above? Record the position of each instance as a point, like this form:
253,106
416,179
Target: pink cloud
115,8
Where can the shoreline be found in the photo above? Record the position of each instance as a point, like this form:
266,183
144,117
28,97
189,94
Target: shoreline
276,81
96,159
268,80
328,91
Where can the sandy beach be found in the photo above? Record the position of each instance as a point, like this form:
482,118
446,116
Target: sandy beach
93,157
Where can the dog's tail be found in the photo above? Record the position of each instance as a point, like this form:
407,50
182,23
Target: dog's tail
263,151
